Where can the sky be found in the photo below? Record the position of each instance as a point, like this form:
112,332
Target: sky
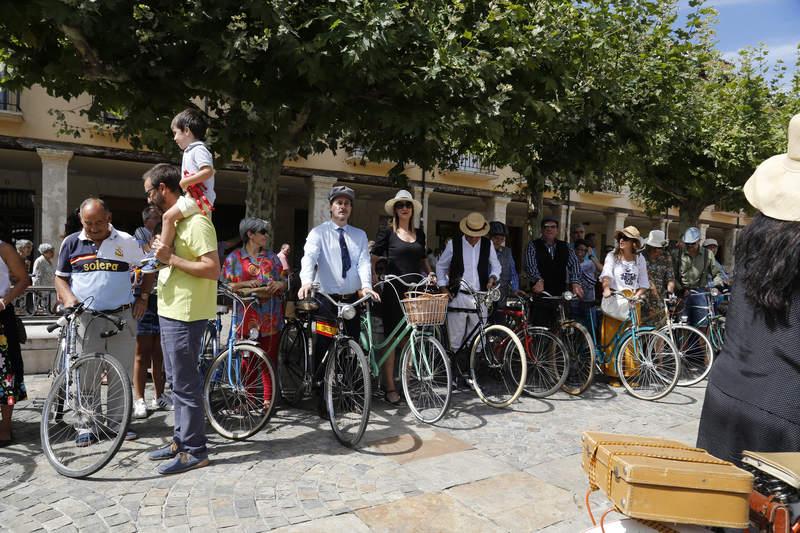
743,23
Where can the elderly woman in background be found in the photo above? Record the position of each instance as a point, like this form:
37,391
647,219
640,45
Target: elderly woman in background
661,276
43,270
25,249
256,265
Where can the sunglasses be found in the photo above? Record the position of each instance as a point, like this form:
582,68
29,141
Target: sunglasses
403,205
627,239
262,231
550,226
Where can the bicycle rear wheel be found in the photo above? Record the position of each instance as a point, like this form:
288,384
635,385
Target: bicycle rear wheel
695,350
86,415
580,348
498,366
347,391
548,362
426,377
716,333
239,392
292,362
648,365
210,348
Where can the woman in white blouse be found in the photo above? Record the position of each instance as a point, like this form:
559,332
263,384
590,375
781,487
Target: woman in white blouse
625,270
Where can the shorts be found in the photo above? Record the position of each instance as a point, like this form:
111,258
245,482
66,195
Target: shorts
148,324
188,205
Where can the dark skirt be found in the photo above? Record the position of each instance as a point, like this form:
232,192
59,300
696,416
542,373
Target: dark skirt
12,370
729,426
391,310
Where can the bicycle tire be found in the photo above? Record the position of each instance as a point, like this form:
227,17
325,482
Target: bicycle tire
71,410
426,377
637,367
347,391
498,366
696,352
233,392
547,362
717,333
207,356
292,362
581,349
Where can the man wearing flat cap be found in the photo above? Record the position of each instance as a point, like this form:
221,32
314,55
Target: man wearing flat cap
470,257
336,255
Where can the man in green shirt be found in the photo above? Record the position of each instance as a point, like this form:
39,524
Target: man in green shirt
693,267
187,293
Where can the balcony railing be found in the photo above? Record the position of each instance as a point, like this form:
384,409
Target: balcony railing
472,163
36,303
9,101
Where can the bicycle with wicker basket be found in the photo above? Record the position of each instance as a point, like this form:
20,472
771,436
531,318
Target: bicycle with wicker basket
424,366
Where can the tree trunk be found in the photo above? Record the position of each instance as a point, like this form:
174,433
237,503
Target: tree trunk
263,171
690,214
535,206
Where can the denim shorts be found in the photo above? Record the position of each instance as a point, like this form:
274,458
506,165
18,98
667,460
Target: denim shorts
148,324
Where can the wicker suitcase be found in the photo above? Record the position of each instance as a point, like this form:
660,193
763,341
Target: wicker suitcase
666,481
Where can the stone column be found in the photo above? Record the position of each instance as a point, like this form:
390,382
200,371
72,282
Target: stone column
731,236
564,220
55,164
665,222
423,220
615,221
703,230
496,207
318,205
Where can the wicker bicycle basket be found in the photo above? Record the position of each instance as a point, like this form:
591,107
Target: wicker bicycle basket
424,309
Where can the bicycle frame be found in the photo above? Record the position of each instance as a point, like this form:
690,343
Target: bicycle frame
604,356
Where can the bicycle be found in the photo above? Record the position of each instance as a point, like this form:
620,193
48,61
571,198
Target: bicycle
212,337
236,398
87,411
424,366
646,360
694,347
712,322
547,356
343,372
497,362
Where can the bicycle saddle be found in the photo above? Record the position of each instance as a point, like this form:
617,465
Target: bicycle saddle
782,465
307,306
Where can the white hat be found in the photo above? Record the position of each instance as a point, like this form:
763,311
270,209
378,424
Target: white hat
474,225
710,242
774,188
656,239
401,196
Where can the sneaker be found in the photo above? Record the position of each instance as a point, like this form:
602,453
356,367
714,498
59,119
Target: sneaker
85,438
139,408
183,462
151,265
162,403
131,435
165,452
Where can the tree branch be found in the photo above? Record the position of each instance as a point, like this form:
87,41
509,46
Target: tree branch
96,69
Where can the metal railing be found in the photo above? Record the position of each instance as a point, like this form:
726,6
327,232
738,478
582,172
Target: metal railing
9,101
36,302
472,163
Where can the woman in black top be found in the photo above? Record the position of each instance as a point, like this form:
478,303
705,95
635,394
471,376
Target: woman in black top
403,246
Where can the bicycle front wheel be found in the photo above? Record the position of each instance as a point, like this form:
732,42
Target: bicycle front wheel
292,362
426,377
696,351
239,392
548,362
86,415
580,348
498,366
648,365
716,333
347,391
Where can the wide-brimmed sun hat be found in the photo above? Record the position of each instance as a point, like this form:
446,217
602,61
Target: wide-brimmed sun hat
632,232
656,239
692,235
710,242
474,225
401,196
774,188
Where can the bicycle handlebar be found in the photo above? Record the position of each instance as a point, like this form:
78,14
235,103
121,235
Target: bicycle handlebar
424,280
632,299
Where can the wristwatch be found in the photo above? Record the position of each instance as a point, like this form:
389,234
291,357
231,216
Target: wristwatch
144,296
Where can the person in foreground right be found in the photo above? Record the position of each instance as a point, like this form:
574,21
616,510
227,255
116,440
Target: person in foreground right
750,401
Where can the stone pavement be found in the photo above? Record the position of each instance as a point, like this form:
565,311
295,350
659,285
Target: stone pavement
479,469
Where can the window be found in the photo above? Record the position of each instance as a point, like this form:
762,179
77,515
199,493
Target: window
9,100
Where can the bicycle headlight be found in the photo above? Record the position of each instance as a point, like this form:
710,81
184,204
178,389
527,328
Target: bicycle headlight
253,334
494,294
567,296
714,292
348,312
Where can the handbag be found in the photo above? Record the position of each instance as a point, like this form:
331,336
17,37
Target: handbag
22,335
615,306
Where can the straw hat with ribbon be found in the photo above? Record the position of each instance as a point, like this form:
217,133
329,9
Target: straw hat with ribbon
402,196
474,225
774,188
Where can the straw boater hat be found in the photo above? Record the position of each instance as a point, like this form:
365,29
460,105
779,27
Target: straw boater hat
401,196
474,225
774,188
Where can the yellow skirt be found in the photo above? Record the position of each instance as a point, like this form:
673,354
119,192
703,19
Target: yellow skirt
609,328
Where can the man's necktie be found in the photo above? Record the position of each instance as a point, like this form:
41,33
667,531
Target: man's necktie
345,254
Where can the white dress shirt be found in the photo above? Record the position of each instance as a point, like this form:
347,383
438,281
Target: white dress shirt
322,259
471,256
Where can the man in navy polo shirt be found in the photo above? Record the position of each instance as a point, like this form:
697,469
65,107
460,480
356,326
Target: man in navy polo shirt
94,267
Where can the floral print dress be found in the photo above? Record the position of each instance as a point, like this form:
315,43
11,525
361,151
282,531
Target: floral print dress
12,386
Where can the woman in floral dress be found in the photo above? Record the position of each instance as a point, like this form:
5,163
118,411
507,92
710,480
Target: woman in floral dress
255,265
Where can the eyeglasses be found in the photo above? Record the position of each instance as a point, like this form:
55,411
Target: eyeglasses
148,191
550,226
403,205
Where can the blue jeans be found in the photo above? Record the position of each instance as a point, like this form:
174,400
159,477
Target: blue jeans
696,308
181,344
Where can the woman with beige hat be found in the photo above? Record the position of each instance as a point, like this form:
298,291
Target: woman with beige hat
403,246
751,398
661,276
